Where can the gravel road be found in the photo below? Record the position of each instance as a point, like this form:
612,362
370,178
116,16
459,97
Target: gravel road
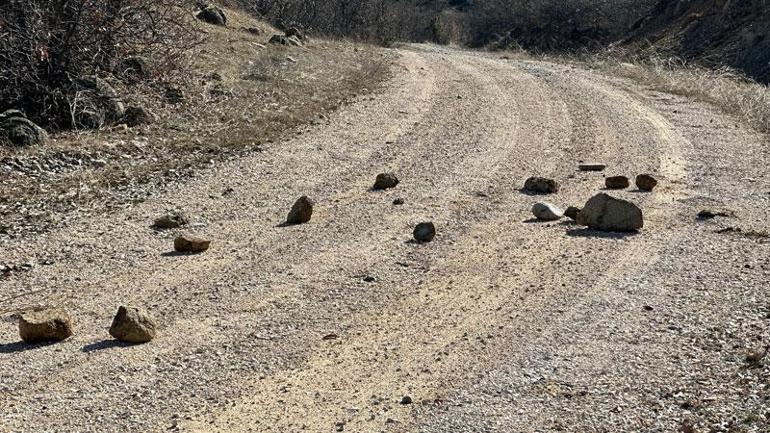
500,324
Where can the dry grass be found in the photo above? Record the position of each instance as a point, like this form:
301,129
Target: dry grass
239,92
724,88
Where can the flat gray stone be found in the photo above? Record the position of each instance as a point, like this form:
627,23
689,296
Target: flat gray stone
592,166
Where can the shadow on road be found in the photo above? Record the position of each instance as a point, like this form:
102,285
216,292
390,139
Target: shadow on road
21,346
539,221
104,344
588,233
177,254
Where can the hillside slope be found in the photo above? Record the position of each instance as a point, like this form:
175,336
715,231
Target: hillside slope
237,92
730,32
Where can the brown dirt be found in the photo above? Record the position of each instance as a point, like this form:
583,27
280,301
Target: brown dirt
499,324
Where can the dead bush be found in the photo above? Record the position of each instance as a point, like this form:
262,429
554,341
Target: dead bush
552,25
46,45
723,87
381,21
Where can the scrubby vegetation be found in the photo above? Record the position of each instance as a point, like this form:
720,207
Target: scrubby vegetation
709,31
714,33
544,24
380,21
723,87
46,46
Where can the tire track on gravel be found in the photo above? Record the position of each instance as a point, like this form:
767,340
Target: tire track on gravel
243,322
144,290
384,360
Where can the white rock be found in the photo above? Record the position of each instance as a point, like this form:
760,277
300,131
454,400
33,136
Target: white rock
547,212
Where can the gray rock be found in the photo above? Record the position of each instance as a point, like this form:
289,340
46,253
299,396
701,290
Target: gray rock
707,214
174,95
541,185
133,325
385,181
285,40
606,213
617,182
171,220
45,324
88,119
301,212
98,97
591,166
7,114
646,182
132,69
20,131
572,212
547,212
188,243
212,15
136,116
424,232
295,32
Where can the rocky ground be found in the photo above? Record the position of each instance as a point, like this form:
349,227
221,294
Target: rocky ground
502,323
239,92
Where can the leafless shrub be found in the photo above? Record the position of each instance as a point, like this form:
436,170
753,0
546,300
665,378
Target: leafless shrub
553,25
381,21
46,44
537,24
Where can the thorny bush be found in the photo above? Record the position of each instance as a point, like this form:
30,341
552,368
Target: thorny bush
46,45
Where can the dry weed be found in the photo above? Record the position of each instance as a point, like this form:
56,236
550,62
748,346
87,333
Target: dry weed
724,88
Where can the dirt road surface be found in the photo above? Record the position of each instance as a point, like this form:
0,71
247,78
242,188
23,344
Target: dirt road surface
500,324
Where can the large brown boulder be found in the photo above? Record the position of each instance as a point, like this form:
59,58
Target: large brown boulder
133,325
45,324
606,213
